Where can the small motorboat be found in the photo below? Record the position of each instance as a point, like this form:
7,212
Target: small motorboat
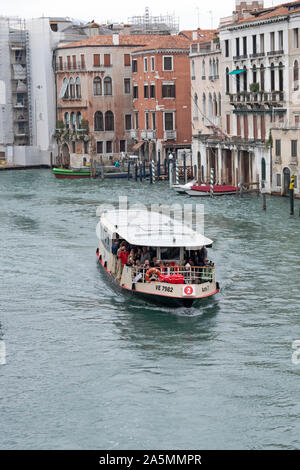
218,190
71,172
169,243
181,188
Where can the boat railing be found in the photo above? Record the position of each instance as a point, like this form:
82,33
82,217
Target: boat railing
173,274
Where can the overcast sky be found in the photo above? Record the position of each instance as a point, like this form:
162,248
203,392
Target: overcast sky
191,13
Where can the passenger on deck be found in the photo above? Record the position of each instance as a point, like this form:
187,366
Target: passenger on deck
131,258
202,256
138,254
115,246
145,255
122,255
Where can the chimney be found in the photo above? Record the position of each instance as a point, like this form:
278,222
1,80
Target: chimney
115,39
195,36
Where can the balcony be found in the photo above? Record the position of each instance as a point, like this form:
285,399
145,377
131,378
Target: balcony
170,135
134,133
261,97
257,54
205,47
70,67
272,53
148,134
240,57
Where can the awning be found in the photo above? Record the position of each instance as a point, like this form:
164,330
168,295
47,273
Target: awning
150,148
137,146
236,72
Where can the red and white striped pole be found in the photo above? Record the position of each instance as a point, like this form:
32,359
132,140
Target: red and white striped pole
212,182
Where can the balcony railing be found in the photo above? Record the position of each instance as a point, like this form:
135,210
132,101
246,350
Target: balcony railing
70,67
240,57
257,54
170,135
257,97
134,133
279,52
148,134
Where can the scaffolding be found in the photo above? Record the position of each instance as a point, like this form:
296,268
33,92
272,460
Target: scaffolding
148,24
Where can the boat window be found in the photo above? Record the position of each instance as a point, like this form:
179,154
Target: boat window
172,253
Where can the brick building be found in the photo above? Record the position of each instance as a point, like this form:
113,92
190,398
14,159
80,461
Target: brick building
94,96
162,96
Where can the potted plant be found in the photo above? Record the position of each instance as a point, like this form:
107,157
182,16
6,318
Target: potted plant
254,87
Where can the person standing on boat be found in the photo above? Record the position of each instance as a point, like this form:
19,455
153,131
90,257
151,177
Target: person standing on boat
114,250
145,255
202,256
122,255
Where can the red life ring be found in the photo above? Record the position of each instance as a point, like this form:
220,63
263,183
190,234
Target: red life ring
152,271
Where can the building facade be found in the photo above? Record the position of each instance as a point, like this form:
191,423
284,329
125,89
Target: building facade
162,97
27,87
94,97
258,137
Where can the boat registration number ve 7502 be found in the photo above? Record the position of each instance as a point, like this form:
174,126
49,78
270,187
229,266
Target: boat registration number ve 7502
164,288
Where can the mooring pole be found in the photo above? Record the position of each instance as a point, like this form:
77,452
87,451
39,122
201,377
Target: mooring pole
212,182
152,170
136,171
144,168
170,172
292,186
158,164
128,170
263,193
184,168
141,171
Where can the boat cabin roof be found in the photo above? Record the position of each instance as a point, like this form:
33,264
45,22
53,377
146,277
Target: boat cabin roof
145,228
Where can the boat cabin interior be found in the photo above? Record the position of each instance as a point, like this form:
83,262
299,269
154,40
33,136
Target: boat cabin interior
175,265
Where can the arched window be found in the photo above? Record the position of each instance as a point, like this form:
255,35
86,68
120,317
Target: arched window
263,169
97,86
238,81
296,75
262,77
73,120
210,106
64,92
195,106
67,120
217,67
98,121
72,87
193,68
272,72
227,80
210,68
204,104
78,120
203,68
220,104
254,74
107,86
109,121
245,84
215,109
214,68
280,71
78,87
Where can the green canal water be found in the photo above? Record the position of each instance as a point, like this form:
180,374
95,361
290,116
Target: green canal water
87,367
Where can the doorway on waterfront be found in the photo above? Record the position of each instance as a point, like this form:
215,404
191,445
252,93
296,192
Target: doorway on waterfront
245,167
65,156
227,176
212,163
286,181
